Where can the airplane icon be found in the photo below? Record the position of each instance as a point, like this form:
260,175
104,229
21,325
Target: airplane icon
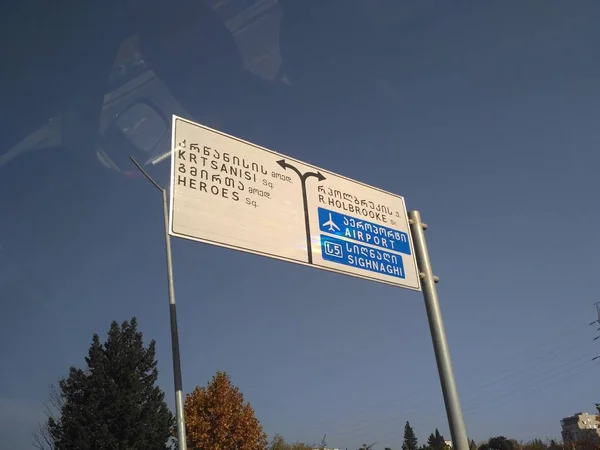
331,224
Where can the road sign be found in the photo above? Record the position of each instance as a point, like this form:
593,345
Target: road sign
231,193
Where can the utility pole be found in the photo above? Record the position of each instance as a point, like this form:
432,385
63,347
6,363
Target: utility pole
179,415
597,304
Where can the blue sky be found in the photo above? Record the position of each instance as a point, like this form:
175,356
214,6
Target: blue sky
483,117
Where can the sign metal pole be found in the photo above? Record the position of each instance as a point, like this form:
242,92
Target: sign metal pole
438,334
179,414
367,234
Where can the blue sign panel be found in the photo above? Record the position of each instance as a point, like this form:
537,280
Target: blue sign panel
362,257
360,230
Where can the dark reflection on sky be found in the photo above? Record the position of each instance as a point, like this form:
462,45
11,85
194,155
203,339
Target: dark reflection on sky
482,116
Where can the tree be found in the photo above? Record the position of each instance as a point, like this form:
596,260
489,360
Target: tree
42,438
279,443
218,419
114,403
502,443
499,443
436,441
587,443
536,444
367,447
410,439
472,445
323,444
300,446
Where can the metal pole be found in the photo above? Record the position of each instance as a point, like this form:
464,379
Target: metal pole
438,334
179,414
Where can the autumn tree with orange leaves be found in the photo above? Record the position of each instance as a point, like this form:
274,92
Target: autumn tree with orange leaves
216,418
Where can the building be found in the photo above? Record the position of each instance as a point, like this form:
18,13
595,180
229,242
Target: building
580,426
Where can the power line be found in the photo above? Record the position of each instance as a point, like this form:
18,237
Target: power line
472,377
584,366
530,384
537,380
539,363
535,385
472,380
532,363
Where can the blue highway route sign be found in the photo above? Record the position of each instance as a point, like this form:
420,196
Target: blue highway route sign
362,257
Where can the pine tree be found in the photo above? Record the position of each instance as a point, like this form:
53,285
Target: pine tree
436,441
410,439
114,404
430,443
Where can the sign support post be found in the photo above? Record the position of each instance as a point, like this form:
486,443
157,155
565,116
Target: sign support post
235,194
438,334
179,414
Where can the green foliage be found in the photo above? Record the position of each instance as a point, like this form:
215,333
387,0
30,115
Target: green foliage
113,404
436,441
279,443
367,447
554,445
499,443
300,446
536,444
591,443
323,444
410,439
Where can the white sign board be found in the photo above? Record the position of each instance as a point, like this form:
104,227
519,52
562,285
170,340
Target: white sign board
228,192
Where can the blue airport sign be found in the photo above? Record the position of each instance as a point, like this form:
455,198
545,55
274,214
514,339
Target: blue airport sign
357,229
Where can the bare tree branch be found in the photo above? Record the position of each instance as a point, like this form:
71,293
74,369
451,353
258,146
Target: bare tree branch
42,438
